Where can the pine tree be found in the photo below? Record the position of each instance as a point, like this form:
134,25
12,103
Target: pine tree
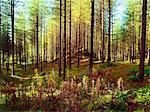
143,39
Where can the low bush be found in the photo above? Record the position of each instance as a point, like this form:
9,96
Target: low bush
147,71
142,95
105,65
133,78
133,70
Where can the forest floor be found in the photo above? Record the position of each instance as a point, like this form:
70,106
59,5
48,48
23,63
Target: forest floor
33,86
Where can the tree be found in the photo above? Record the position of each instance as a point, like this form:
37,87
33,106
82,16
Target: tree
41,43
37,37
12,23
60,38
143,39
92,32
103,33
64,49
70,38
109,29
79,38
0,39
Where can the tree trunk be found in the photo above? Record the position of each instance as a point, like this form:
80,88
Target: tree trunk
0,40
44,55
70,39
60,39
103,34
12,20
8,53
109,10
79,44
3,49
92,32
41,45
64,49
143,39
37,39
25,55
79,40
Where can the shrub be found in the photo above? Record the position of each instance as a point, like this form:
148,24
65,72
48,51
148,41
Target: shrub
142,95
133,70
119,102
133,78
100,102
105,65
147,71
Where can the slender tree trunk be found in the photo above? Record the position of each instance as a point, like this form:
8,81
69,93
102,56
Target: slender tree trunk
41,45
70,38
37,40
143,39
87,39
25,55
64,50
133,49
0,40
44,55
79,46
84,37
60,39
7,50
92,33
76,40
3,49
12,20
20,55
109,10
103,34
52,47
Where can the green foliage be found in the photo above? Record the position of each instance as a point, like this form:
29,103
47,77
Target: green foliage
2,100
142,95
133,78
147,71
2,82
139,110
133,70
100,102
107,65
121,96
58,80
82,74
119,102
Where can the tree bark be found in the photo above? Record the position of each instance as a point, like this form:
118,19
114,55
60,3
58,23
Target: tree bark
60,39
37,38
143,39
70,38
103,34
64,49
109,10
0,40
12,25
25,56
92,33
41,44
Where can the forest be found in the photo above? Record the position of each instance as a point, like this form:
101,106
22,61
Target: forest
75,55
